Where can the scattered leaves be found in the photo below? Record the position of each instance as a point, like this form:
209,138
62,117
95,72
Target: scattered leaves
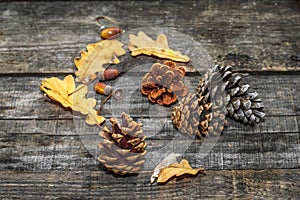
97,55
60,90
143,44
177,170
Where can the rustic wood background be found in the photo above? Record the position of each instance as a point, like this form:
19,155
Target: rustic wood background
42,153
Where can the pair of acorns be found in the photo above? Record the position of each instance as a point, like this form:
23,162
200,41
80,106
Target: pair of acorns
102,88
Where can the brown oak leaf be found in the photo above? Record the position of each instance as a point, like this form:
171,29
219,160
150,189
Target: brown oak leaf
177,170
96,56
143,44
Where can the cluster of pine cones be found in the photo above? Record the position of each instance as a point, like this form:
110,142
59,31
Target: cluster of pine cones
219,94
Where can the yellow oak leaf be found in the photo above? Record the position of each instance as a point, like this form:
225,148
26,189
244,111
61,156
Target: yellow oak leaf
96,56
170,159
177,170
62,91
143,44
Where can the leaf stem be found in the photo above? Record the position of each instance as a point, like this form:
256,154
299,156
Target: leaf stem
103,102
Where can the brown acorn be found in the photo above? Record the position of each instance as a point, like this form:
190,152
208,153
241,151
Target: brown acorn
102,88
110,32
108,90
109,74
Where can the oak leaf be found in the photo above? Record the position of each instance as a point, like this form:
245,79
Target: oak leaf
62,91
143,44
170,159
177,170
96,56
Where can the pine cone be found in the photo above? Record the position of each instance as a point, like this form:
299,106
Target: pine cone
123,147
163,83
222,88
193,116
218,94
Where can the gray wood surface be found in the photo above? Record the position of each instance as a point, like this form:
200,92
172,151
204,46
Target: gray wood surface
225,184
48,153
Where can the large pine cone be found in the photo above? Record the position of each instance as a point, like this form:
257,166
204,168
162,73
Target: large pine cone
163,83
222,88
192,116
218,94
123,147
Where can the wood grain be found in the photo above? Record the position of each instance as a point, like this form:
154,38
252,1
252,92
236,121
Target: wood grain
47,152
237,184
41,37
73,152
22,98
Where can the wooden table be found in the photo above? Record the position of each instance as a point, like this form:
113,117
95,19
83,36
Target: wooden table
43,155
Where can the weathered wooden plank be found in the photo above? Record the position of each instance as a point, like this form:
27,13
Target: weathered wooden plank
228,184
36,151
22,98
156,128
62,124
42,36
63,144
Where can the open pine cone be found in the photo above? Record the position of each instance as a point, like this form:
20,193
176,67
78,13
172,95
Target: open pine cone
192,116
123,147
164,82
219,93
224,90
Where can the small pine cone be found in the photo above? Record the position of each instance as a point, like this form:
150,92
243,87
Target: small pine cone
123,147
192,116
163,84
222,88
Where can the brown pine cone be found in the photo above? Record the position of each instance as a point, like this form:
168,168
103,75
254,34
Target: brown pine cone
192,116
218,94
123,147
224,90
163,83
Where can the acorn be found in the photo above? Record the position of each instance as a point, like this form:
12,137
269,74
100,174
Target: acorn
104,89
110,33
109,74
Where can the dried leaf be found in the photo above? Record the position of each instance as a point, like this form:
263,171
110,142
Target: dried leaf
142,44
95,57
59,91
170,159
177,170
